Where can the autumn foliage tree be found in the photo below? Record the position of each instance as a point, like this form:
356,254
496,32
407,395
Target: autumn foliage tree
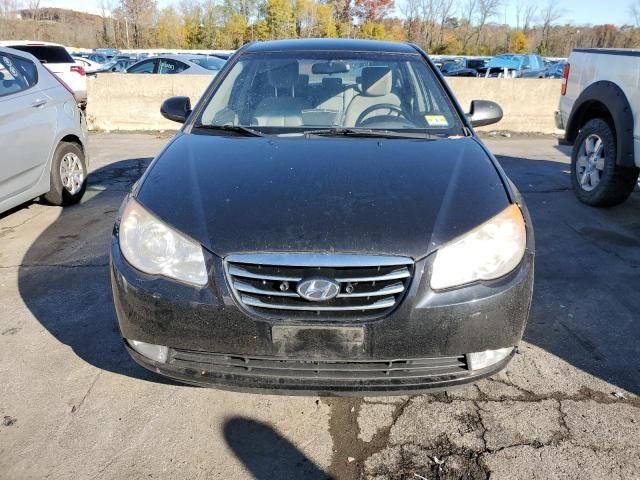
518,42
373,10
467,27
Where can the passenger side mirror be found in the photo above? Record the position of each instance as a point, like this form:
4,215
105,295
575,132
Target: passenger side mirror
176,109
484,112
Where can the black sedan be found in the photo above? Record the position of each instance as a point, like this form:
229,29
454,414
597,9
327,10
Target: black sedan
325,222
462,67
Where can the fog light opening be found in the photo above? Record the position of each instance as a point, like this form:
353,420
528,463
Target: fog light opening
158,353
480,360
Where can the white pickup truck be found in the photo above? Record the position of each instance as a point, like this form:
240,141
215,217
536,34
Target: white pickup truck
600,113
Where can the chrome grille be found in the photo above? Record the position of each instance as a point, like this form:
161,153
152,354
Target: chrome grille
370,286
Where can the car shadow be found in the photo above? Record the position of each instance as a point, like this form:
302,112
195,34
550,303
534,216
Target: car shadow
64,276
585,305
266,454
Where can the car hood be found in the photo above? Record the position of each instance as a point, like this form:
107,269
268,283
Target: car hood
350,195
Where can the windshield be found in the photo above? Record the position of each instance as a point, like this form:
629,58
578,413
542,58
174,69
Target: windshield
210,63
451,66
303,91
505,61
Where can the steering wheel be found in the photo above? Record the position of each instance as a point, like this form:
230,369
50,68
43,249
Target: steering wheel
382,106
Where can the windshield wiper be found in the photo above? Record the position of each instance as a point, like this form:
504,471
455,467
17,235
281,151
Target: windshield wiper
246,131
367,132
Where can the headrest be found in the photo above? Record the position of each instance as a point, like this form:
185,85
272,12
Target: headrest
283,74
332,82
376,81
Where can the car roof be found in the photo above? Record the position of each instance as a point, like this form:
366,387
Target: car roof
34,43
170,56
323,44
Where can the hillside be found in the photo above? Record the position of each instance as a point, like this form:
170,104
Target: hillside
60,25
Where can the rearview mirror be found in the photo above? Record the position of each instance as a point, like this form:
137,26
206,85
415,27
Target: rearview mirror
484,112
328,68
176,109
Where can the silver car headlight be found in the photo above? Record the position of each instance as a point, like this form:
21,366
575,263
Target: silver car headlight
153,247
487,252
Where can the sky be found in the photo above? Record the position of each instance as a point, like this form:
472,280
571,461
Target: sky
575,11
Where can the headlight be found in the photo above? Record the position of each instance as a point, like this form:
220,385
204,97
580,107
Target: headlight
487,252
153,247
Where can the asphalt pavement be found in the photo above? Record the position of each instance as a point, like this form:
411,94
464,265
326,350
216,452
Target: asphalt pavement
74,405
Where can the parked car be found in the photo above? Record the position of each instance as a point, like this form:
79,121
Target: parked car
107,52
222,56
514,66
42,133
182,64
599,110
462,67
117,65
57,60
326,221
90,67
555,70
94,57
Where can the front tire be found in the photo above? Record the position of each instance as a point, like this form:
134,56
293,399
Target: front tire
68,175
596,178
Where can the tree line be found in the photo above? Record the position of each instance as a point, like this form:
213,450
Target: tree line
468,27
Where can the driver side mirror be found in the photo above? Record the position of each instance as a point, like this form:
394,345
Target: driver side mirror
484,112
176,109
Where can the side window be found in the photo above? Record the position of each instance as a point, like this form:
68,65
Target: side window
16,74
148,66
28,69
171,66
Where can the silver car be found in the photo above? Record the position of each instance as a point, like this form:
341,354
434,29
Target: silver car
182,64
43,135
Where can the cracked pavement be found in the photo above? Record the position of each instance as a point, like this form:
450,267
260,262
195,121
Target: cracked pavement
73,405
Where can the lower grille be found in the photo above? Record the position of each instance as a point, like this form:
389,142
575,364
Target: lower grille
366,286
319,369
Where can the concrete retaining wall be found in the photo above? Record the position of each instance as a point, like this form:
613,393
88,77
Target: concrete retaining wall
132,102
528,103
117,101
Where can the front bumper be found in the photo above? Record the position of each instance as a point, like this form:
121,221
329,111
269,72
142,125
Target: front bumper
213,341
322,378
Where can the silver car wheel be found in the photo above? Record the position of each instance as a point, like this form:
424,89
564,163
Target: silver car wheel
71,173
590,162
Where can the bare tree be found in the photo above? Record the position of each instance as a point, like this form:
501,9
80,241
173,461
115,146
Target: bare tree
444,11
548,16
634,11
106,8
525,13
411,11
468,13
428,9
34,10
8,7
139,16
7,11
487,9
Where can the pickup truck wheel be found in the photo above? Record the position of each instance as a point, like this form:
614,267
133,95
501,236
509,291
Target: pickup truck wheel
68,175
596,178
